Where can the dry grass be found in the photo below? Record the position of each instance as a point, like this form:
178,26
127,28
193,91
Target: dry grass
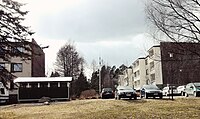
106,109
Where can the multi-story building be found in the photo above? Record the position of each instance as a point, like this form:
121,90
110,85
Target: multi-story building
20,67
154,66
167,63
32,65
127,78
139,74
180,62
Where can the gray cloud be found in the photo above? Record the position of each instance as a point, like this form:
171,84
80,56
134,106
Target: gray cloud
95,20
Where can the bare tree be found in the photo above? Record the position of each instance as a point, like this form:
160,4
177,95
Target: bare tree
178,20
69,62
94,65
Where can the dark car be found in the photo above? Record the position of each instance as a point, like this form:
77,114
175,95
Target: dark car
150,91
125,92
107,93
192,89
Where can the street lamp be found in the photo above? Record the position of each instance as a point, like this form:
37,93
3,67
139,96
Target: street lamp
171,56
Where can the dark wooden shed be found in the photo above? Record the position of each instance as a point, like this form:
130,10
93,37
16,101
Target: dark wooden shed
34,88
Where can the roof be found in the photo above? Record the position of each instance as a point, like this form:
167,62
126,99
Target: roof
42,79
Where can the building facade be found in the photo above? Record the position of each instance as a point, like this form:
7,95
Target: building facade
20,67
154,66
180,62
139,74
167,63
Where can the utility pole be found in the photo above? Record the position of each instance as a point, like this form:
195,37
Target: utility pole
99,75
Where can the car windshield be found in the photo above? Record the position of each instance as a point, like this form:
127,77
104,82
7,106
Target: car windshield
151,87
197,84
125,88
107,89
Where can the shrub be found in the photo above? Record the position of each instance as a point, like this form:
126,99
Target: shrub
89,94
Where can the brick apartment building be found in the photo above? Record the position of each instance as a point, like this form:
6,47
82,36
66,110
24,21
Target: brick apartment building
180,62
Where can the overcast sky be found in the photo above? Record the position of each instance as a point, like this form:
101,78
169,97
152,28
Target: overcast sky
112,29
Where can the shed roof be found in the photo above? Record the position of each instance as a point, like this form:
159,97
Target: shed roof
42,79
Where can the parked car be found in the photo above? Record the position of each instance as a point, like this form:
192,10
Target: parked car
192,89
107,93
181,90
150,91
167,91
125,92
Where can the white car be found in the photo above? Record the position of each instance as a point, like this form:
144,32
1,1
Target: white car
168,91
181,90
192,89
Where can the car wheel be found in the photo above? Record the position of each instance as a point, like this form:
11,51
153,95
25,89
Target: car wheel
146,96
161,97
141,96
195,94
135,97
115,97
118,97
186,95
182,93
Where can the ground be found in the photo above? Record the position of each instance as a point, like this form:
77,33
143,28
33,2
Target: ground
180,108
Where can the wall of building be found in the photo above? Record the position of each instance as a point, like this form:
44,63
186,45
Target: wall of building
38,61
34,67
180,62
155,67
139,73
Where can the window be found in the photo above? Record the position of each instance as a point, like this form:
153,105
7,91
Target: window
16,67
151,52
138,73
63,84
2,49
138,82
2,65
44,85
33,85
151,66
54,84
17,49
137,63
23,85
152,77
146,61
2,90
147,72
135,75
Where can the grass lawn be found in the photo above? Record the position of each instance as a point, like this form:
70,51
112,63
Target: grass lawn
106,109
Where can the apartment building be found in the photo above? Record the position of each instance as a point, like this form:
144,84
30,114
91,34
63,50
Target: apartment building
139,74
127,78
33,67
168,63
180,62
154,66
